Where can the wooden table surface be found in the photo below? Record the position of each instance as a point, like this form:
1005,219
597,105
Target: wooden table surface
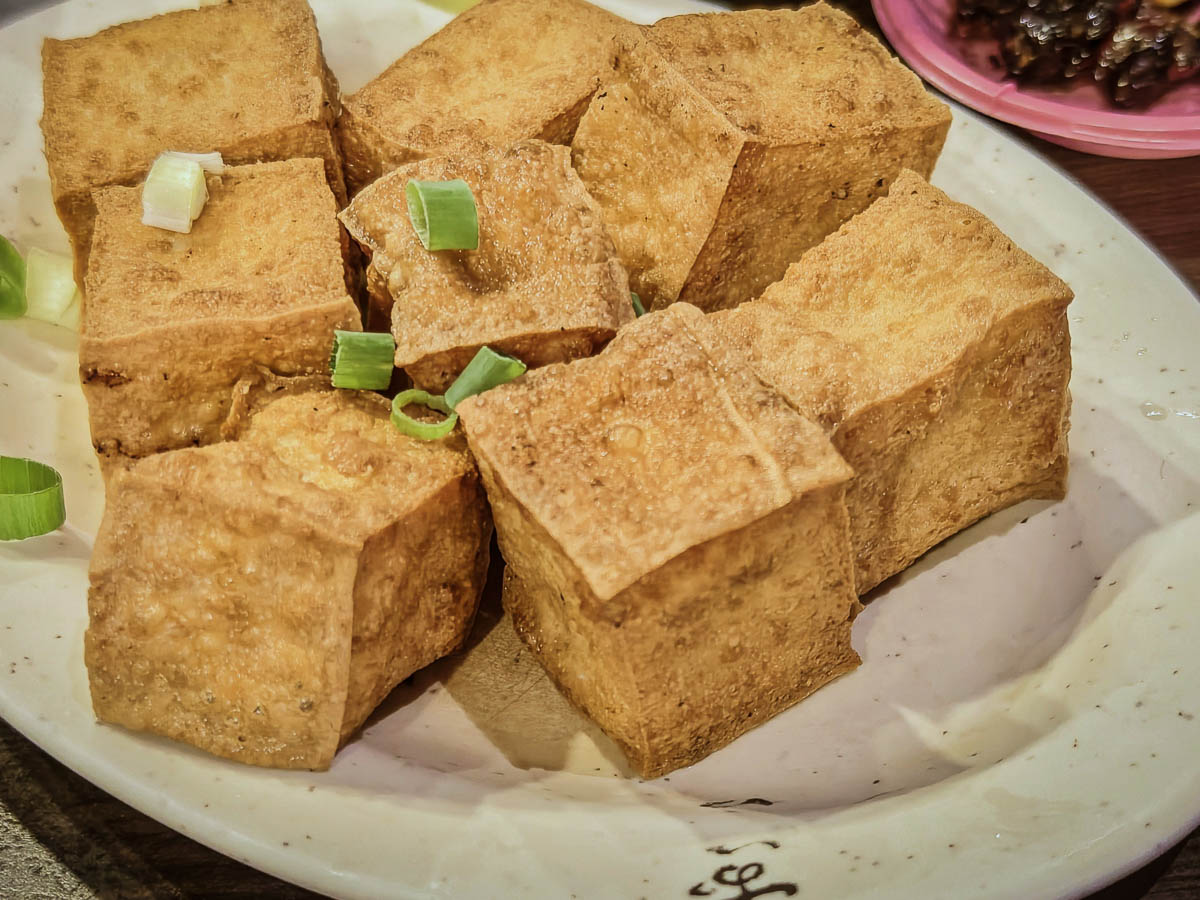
60,837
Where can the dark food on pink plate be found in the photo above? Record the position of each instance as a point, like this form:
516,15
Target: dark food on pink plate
1136,51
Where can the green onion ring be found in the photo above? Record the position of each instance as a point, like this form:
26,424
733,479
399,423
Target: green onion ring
486,370
31,499
362,360
50,290
443,214
638,309
426,431
12,281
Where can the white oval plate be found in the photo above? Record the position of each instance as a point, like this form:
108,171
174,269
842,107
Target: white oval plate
1026,721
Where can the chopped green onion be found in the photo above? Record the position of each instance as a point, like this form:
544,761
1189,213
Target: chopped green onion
50,288
452,6
486,370
31,499
174,193
12,281
209,162
443,213
426,431
638,309
362,360
70,318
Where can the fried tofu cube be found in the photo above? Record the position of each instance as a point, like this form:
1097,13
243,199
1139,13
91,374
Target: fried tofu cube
177,328
937,355
723,145
500,72
544,286
245,78
258,598
675,534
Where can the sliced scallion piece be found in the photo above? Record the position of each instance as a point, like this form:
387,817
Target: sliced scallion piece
362,360
209,162
485,371
12,281
31,499
174,193
426,431
70,318
452,6
443,214
50,288
638,309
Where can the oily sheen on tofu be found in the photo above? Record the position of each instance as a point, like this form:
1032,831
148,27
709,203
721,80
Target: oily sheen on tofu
721,146
328,556
179,328
936,353
675,534
502,71
544,286
246,79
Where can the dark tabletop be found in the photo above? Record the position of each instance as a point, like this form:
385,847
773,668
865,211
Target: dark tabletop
60,837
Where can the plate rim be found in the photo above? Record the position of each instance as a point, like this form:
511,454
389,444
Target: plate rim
1151,850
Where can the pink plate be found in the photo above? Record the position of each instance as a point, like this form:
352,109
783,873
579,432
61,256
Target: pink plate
1078,116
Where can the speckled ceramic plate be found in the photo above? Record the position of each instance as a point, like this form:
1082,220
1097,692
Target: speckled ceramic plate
1026,722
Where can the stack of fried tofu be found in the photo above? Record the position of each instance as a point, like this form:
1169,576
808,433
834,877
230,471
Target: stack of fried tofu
274,557
723,147
246,79
688,518
841,366
181,332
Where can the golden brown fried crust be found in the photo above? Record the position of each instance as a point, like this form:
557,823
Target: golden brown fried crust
245,78
936,353
544,285
676,536
662,390
257,598
500,72
176,326
767,623
825,68
723,145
